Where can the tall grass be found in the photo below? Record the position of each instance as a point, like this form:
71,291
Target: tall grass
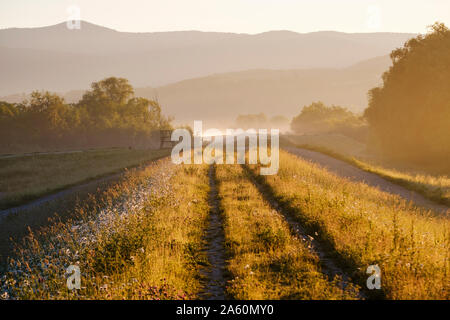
266,261
366,226
435,187
141,239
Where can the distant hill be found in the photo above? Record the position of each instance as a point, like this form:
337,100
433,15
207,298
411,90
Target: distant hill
224,96
58,59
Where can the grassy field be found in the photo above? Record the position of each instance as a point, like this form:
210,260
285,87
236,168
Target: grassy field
145,238
26,178
141,239
365,227
434,186
265,260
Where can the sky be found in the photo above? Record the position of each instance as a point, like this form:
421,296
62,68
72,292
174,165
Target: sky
239,16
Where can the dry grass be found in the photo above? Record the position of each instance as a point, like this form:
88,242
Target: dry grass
29,177
434,186
366,226
141,239
265,260
144,238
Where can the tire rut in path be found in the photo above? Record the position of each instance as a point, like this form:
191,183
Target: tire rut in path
330,267
215,286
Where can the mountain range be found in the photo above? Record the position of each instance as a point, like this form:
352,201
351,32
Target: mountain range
203,72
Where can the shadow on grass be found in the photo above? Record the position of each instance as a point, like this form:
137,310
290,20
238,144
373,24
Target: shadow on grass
327,245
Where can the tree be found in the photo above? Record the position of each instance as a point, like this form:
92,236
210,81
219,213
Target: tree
104,101
43,117
111,90
107,115
409,115
8,114
317,118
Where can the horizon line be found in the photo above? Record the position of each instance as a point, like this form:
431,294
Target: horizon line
202,31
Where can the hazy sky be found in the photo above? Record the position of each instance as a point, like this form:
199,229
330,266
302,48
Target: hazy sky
246,16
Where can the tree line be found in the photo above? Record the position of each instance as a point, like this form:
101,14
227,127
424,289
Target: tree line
108,115
408,117
320,118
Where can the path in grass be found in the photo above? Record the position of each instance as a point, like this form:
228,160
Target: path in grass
46,199
266,260
140,239
72,188
25,179
362,226
215,249
353,173
329,266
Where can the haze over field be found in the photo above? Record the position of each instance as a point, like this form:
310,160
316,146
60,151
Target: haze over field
253,91
109,189
192,73
59,59
272,92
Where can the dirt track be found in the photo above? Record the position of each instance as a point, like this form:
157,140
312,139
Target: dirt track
346,170
216,252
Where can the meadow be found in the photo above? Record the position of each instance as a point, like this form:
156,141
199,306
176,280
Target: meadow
140,239
25,178
433,183
365,226
301,234
266,259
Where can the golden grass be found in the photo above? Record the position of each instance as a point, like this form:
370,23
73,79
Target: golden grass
132,242
265,260
28,177
366,226
433,186
144,238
